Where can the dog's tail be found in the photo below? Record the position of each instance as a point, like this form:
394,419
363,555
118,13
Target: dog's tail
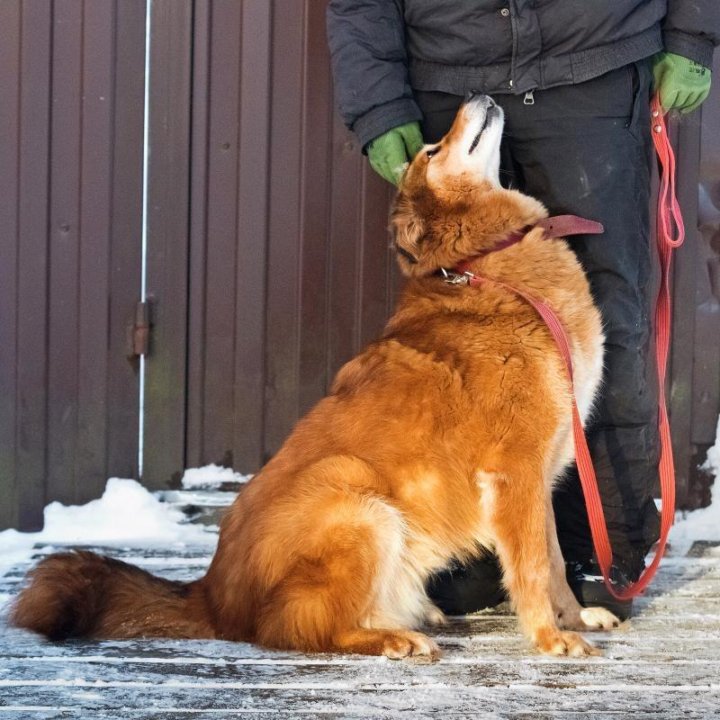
81,594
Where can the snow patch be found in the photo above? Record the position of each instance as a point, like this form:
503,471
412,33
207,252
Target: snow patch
712,464
701,524
126,515
211,476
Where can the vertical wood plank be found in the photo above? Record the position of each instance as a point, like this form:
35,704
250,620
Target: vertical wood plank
345,247
314,270
168,230
283,285
95,214
10,65
683,314
126,232
706,370
64,248
378,258
34,149
221,254
252,224
201,103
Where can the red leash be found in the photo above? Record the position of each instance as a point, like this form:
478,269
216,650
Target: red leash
668,214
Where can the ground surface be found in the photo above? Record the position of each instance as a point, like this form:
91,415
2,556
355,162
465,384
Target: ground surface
665,663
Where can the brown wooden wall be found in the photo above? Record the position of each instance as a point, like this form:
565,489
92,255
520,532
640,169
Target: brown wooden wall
289,267
71,108
695,359
288,261
268,262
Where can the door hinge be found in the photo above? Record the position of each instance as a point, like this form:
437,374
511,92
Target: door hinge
139,331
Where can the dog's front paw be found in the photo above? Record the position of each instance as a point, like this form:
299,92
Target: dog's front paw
552,641
598,618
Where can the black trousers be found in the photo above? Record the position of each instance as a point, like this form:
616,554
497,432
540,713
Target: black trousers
586,150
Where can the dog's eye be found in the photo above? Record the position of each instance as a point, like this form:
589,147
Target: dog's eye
432,151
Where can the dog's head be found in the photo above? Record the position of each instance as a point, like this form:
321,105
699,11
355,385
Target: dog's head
450,204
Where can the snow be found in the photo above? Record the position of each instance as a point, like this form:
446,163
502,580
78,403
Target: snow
126,515
701,525
712,463
211,476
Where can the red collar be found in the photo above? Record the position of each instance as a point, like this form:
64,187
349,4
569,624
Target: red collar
554,227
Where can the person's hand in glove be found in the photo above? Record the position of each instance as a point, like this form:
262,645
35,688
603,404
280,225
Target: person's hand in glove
683,84
390,153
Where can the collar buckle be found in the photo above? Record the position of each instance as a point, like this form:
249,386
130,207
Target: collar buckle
454,278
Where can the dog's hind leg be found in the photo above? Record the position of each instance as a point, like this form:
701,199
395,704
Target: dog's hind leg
520,529
335,594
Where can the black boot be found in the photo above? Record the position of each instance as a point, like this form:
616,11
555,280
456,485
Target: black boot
586,581
464,589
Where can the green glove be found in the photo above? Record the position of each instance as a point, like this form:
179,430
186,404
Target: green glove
683,84
390,153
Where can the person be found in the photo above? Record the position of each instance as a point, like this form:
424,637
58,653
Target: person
574,80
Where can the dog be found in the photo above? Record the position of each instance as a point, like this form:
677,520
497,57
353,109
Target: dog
441,439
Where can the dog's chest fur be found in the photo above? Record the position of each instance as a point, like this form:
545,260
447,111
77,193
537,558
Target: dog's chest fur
505,390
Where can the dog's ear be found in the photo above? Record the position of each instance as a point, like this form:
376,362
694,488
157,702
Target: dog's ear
407,227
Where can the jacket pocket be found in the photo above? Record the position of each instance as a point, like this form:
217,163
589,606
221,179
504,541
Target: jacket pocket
639,88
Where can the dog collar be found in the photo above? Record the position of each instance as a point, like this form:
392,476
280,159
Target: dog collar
553,227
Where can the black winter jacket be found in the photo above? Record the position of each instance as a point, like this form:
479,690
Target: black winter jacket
383,49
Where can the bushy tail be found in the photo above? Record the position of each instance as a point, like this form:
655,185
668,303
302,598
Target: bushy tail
81,594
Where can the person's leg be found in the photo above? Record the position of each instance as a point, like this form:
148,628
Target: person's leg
439,110
586,150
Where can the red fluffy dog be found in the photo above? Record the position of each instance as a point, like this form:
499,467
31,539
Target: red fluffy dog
443,437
